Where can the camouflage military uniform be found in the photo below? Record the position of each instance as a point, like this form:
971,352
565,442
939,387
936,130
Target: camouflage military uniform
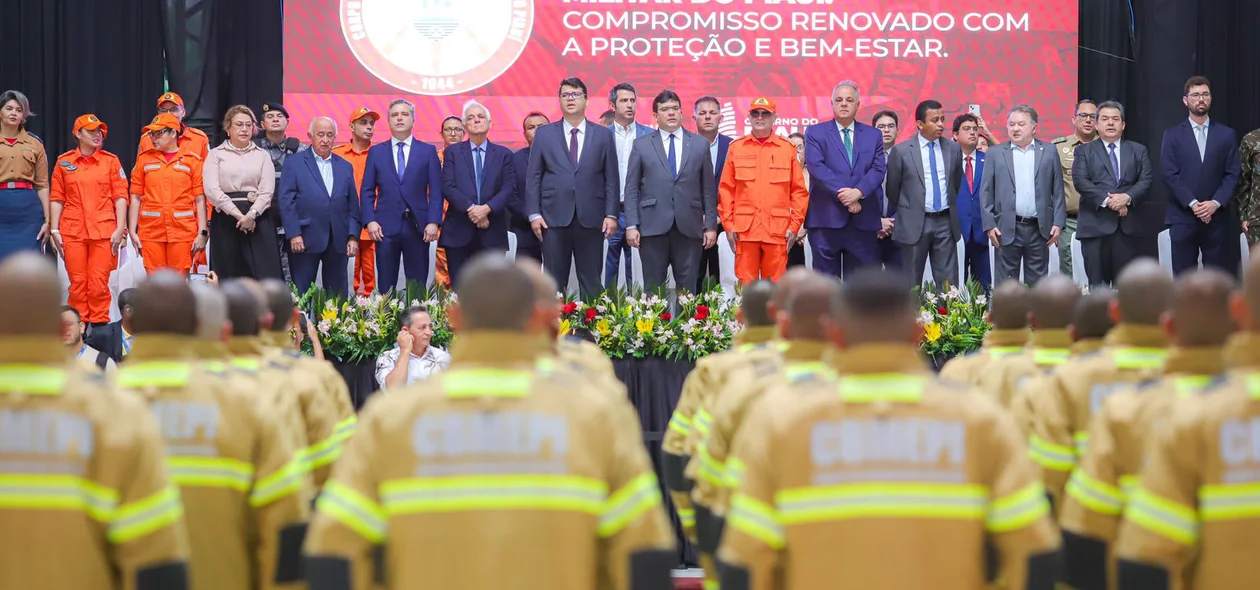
1248,195
1066,148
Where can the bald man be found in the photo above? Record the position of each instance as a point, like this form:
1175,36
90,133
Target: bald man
56,417
213,428
1009,306
1133,351
801,478
570,446
1106,479
1053,305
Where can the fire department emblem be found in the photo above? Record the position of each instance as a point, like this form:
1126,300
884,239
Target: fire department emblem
437,47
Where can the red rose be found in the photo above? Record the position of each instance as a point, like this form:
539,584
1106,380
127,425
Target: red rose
941,310
590,314
702,312
569,308
665,316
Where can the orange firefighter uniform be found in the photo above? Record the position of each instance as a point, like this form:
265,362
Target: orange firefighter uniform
1106,479
430,481
165,192
820,460
441,274
85,500
997,344
239,477
191,139
90,189
365,262
761,197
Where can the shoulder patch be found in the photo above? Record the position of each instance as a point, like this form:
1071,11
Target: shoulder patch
1060,139
765,367
64,163
1090,354
1148,383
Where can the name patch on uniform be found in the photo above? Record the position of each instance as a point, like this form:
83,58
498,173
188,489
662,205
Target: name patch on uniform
466,443
65,163
850,451
1239,442
182,168
190,427
151,167
71,168
43,441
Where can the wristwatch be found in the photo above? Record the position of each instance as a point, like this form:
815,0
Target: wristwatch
205,233
252,214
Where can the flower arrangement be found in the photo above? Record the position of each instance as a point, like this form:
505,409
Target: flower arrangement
953,321
642,325
362,328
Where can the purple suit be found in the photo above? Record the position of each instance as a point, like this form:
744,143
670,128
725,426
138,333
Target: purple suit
841,241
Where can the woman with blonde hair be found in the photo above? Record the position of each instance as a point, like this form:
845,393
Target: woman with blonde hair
23,179
240,181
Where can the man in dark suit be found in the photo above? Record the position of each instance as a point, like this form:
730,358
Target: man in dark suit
114,338
671,197
975,243
401,199
708,115
571,194
527,244
1021,199
477,181
887,122
846,164
320,211
1199,158
1113,177
927,215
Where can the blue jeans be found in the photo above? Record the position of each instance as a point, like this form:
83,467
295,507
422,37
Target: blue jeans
616,245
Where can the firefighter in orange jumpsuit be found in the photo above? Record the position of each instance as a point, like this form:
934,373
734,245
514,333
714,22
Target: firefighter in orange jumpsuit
762,197
89,217
452,133
362,125
168,205
190,138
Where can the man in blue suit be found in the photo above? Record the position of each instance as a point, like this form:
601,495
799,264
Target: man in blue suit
846,166
708,113
571,194
319,208
975,243
527,244
1199,158
402,200
623,99
887,122
477,182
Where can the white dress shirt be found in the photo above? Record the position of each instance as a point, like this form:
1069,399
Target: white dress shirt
393,153
434,360
324,165
713,154
581,136
1025,162
625,143
678,147
852,136
927,175
1119,158
1200,138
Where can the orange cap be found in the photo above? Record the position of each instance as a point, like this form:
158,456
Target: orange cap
162,121
170,97
762,103
361,112
91,123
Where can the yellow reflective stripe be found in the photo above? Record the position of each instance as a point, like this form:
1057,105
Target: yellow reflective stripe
486,383
283,482
1081,439
1095,495
686,516
345,429
1191,384
1253,385
756,519
1050,455
628,503
1018,510
248,363
137,519
494,492
734,472
58,492
32,379
321,453
998,352
709,469
1051,356
881,386
1229,501
1163,517
155,374
702,422
1140,358
798,371
1128,485
710,585
680,424
213,472
352,509
879,500
216,367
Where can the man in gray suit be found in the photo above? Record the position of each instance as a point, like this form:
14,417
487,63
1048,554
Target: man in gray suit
924,173
1021,199
671,197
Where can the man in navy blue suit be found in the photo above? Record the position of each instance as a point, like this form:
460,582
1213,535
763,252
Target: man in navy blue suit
975,243
402,200
572,192
846,166
1199,158
477,182
527,244
319,207
886,122
708,113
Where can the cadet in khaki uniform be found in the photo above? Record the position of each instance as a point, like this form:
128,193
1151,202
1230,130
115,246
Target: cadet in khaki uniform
238,474
1105,481
1196,500
1008,314
1053,305
831,494
430,481
86,502
1134,351
1084,121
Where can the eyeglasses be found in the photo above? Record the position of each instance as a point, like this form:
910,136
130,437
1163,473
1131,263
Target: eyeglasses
759,114
159,133
452,130
887,127
1200,95
1090,116
170,111
572,95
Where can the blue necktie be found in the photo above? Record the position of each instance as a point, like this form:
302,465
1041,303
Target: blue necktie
848,147
402,161
477,171
673,158
936,184
1115,163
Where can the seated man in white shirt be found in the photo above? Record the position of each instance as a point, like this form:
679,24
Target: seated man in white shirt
413,344
90,358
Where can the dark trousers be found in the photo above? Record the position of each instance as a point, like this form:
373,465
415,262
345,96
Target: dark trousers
796,255
1105,256
1028,250
1210,240
617,246
838,252
236,254
526,244
976,263
671,249
305,265
564,246
711,265
890,253
457,257
937,245
407,246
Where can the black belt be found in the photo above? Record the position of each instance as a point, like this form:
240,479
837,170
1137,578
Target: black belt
1028,220
941,213
238,195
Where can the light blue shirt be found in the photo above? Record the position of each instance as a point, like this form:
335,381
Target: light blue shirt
713,153
927,175
324,165
1025,162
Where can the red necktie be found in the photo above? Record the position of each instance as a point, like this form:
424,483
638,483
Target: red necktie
968,172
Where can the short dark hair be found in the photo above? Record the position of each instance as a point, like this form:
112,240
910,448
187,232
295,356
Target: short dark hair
965,118
450,118
409,314
886,113
1112,104
920,112
608,114
125,298
573,82
665,96
70,308
531,115
797,134
1081,102
1196,81
706,98
612,94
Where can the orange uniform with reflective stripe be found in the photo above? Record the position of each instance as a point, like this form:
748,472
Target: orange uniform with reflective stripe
89,187
761,197
365,262
167,223
195,141
441,276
